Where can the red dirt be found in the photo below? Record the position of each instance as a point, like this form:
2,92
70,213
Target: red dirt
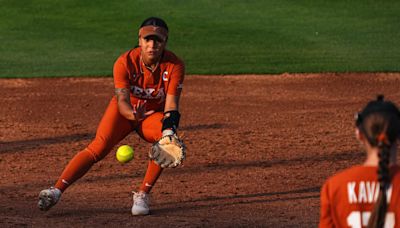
259,149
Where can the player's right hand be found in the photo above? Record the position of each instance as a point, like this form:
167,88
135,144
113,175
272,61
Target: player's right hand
140,112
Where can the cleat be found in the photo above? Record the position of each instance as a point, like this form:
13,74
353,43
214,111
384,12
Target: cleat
48,198
140,203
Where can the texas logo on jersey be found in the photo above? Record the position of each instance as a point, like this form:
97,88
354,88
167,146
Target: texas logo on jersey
147,93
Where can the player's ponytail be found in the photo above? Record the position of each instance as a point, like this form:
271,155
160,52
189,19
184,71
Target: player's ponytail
377,219
379,122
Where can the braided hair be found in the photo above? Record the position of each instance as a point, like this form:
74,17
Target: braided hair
379,122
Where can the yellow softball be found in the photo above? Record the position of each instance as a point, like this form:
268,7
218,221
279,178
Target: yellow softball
124,154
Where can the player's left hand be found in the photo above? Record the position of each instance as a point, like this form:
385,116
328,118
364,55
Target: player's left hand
168,152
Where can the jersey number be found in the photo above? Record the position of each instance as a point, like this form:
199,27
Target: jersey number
358,219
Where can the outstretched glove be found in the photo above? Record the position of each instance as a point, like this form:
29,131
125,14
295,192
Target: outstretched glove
168,152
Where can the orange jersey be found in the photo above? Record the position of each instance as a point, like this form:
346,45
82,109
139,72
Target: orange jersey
348,198
131,73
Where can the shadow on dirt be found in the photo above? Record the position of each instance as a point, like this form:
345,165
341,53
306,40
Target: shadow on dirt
210,202
202,127
200,203
331,157
25,145
199,169
247,196
178,207
85,211
218,167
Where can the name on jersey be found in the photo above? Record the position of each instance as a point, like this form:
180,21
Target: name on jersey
147,93
365,192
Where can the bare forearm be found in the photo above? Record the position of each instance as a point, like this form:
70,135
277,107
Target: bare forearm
124,105
126,110
171,103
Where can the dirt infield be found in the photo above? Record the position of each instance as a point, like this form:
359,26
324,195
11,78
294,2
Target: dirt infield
259,149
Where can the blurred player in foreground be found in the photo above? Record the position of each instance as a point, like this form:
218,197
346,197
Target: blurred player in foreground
368,195
148,83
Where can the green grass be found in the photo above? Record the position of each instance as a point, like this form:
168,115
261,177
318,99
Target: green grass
83,38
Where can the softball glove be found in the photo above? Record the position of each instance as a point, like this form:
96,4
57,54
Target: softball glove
168,152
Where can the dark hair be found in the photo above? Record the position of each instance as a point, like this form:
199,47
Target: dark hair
379,122
155,21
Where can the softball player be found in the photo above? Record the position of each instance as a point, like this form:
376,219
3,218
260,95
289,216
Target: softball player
368,195
148,83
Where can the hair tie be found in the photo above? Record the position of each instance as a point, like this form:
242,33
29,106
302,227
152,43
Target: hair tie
382,139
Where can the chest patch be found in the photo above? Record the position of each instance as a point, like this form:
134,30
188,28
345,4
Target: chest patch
165,76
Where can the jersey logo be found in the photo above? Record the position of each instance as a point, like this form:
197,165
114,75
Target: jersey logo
164,76
147,93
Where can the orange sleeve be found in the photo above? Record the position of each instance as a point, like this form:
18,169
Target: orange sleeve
121,74
325,220
177,76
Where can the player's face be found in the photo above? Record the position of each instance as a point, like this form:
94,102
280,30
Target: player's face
152,47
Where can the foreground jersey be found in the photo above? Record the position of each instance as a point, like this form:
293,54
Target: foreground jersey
348,198
131,73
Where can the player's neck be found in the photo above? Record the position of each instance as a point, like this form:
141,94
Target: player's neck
150,64
373,157
372,160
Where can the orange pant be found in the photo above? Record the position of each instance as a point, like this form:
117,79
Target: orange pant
112,129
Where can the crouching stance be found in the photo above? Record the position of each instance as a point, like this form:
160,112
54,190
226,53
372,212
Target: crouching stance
148,82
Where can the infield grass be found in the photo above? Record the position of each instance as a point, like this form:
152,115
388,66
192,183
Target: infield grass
83,38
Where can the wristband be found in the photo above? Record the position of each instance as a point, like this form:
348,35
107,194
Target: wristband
171,120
